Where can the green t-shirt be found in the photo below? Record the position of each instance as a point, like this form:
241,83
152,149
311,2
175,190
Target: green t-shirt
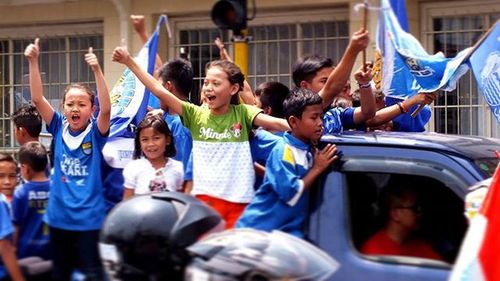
222,162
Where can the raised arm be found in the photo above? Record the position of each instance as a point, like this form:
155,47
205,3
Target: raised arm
246,94
102,91
339,76
271,123
174,104
140,28
388,113
43,106
368,106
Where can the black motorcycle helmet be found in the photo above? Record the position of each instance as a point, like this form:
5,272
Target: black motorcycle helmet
145,237
253,255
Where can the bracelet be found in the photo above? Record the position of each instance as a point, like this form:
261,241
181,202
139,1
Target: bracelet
365,86
402,107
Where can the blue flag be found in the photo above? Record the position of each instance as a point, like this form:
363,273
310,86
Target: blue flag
485,63
129,101
399,8
406,67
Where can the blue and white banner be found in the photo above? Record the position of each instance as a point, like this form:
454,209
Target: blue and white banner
485,63
406,67
129,102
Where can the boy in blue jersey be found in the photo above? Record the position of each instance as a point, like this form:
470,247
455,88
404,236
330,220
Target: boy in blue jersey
8,262
30,201
281,201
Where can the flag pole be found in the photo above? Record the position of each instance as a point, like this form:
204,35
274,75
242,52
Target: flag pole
365,20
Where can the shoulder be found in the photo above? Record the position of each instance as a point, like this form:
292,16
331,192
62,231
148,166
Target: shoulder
137,164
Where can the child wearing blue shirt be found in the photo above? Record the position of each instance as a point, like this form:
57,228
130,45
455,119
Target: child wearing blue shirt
8,262
281,201
30,201
76,208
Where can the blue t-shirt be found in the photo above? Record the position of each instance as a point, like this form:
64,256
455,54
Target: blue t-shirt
28,207
281,202
112,185
406,123
262,143
76,200
183,140
6,228
336,119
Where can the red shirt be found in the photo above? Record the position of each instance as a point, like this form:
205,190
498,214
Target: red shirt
381,244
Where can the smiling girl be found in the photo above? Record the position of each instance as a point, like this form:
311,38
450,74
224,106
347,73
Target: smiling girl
75,210
153,169
223,174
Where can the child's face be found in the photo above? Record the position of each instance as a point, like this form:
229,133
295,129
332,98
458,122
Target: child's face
78,109
310,126
218,90
153,143
319,80
8,177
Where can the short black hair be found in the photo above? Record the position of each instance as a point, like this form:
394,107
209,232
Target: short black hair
7,158
180,72
296,102
34,155
29,118
273,94
305,68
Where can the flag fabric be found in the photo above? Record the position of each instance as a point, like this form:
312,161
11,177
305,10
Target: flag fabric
399,8
480,251
129,102
485,63
406,67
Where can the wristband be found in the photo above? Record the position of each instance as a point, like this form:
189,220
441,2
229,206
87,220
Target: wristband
365,86
402,107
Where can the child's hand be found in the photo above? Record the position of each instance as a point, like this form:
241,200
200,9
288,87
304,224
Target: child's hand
325,157
138,23
359,40
363,77
219,43
92,60
33,51
422,98
121,55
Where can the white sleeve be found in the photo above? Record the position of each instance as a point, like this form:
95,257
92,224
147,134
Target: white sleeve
180,175
130,173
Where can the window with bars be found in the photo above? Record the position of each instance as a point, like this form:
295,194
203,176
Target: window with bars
273,48
464,110
61,63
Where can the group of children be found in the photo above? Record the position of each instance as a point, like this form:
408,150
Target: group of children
216,152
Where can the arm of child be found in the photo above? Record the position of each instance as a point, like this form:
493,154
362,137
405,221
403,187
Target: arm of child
140,28
121,55
322,161
388,113
128,193
368,106
46,110
102,91
8,253
339,76
271,123
246,94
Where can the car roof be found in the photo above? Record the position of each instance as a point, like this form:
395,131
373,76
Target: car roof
473,147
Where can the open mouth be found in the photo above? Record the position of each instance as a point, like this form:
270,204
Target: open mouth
210,98
75,118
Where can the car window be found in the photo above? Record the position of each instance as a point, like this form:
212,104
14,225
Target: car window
441,221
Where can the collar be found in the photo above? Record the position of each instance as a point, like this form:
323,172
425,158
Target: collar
289,138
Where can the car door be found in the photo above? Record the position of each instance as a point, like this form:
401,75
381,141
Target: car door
335,223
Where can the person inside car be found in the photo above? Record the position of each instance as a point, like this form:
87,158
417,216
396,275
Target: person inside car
402,214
